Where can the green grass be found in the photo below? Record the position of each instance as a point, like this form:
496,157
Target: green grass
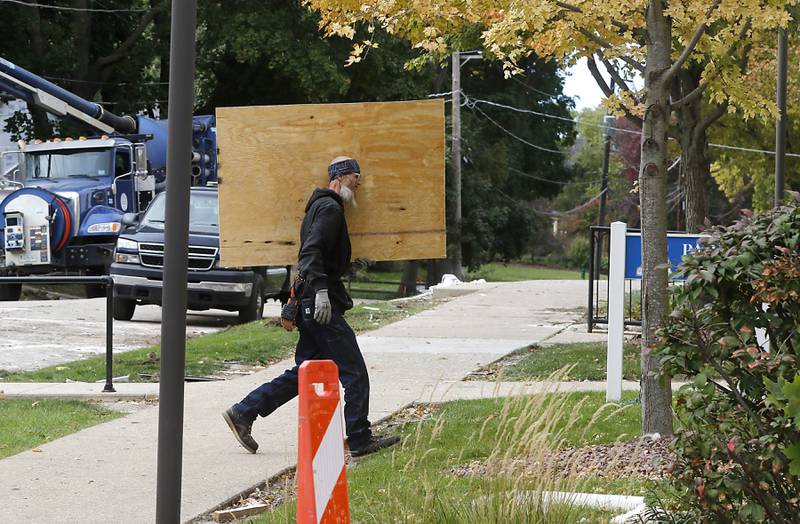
412,481
588,361
498,272
27,423
255,343
372,284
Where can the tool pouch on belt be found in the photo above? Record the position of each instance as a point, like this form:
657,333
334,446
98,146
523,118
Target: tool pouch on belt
290,309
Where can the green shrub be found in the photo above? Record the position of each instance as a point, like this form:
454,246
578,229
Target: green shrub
578,252
738,449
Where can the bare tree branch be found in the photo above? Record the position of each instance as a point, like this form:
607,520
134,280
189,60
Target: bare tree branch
606,89
613,72
123,49
711,117
689,49
607,45
622,26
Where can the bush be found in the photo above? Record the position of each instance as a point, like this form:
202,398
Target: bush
578,252
738,446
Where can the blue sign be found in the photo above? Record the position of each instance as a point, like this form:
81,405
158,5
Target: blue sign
677,247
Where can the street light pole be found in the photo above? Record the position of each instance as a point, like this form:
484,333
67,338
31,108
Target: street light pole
176,233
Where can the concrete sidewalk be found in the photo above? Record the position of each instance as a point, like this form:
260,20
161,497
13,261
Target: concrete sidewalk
107,473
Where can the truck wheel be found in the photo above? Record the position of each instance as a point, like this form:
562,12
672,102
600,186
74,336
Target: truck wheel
124,308
10,292
254,310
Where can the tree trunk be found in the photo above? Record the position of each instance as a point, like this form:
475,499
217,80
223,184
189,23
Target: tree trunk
656,392
408,283
694,145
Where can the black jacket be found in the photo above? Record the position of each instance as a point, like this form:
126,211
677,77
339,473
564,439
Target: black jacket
324,256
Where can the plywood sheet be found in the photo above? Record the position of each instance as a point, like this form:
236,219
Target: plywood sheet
272,157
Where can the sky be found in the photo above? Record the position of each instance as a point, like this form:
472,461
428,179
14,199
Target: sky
580,85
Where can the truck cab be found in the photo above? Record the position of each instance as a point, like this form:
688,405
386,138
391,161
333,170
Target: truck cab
139,259
68,211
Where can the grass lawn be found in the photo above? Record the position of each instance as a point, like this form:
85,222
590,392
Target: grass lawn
258,342
588,361
498,272
27,423
375,284
413,482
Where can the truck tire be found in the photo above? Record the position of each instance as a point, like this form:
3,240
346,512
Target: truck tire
254,310
124,308
10,292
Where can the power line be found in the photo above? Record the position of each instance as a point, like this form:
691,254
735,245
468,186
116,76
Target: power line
751,150
525,84
99,82
560,182
509,133
548,115
552,214
474,101
67,8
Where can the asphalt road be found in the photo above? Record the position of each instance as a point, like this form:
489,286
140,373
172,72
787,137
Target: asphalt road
39,333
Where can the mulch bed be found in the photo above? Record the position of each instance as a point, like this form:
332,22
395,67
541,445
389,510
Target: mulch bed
645,458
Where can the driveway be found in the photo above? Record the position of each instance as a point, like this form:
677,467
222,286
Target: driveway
40,333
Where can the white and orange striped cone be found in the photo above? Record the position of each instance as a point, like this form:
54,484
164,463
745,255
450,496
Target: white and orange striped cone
321,472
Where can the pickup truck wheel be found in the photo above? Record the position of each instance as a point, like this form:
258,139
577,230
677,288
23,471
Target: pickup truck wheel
254,310
124,308
10,292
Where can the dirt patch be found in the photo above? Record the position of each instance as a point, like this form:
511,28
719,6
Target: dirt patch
645,458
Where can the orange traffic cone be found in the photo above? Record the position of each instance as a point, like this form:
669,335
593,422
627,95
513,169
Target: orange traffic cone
321,472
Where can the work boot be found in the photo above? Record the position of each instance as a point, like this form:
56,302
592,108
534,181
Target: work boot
373,444
241,430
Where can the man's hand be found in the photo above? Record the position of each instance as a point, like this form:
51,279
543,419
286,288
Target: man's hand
322,307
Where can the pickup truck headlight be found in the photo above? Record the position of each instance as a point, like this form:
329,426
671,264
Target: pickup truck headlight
105,227
125,243
126,258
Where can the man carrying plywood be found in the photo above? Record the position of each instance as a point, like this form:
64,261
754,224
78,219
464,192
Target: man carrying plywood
323,260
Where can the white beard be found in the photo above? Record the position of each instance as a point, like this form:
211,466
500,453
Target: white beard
348,197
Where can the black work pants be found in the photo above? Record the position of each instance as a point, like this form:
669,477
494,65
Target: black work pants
334,341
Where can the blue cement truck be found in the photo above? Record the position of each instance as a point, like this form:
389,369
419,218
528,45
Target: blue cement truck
65,212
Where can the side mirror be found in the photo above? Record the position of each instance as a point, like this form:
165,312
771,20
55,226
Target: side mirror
130,219
140,158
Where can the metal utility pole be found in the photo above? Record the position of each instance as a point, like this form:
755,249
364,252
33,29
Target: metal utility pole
601,214
607,120
780,124
458,270
456,258
176,233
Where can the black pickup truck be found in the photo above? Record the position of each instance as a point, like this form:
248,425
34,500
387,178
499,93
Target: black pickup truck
139,259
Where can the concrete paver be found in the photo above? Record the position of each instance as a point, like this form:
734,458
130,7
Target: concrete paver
107,473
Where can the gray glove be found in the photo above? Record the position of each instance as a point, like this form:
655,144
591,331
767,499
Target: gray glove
322,307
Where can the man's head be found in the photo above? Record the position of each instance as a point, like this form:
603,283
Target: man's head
345,177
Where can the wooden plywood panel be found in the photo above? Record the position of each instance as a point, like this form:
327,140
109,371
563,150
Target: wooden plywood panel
272,157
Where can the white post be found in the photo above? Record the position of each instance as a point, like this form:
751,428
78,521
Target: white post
616,312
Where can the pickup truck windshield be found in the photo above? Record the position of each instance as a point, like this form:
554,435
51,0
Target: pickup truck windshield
203,212
65,164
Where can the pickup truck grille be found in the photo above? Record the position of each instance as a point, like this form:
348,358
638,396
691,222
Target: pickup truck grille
201,258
